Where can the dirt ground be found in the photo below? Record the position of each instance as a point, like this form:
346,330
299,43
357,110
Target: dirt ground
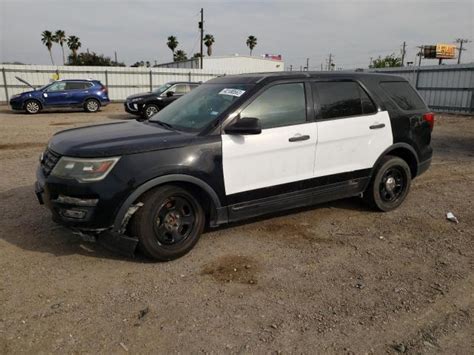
336,278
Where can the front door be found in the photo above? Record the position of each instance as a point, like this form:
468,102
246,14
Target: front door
283,153
56,94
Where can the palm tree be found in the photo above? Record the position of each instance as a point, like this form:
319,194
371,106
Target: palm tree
180,55
47,38
74,44
172,43
208,42
251,43
60,37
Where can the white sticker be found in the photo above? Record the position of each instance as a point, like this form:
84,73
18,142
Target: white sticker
232,92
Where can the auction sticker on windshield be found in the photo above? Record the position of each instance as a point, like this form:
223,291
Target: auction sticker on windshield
232,92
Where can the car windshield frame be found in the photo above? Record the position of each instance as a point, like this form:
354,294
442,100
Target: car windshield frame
202,106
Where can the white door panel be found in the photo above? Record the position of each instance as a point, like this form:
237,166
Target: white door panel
348,144
267,159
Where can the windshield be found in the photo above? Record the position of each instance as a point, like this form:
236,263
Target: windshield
196,110
162,88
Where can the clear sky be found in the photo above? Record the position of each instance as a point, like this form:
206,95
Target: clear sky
352,30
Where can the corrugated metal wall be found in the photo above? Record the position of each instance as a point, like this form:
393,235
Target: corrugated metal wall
121,81
445,88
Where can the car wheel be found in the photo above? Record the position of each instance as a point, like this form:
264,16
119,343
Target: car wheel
390,184
32,107
150,110
91,105
169,224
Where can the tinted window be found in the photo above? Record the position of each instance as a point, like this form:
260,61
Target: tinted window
339,99
404,95
367,104
57,86
74,85
280,105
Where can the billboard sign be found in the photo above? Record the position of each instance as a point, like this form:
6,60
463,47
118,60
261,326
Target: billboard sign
440,51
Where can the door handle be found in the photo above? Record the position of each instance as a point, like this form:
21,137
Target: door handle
298,138
377,126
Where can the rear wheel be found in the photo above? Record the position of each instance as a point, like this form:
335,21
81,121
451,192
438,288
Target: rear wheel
390,185
169,224
91,105
149,110
32,107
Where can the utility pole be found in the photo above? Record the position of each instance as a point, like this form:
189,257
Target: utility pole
291,67
307,64
321,66
371,61
461,41
420,54
330,62
201,26
403,53
115,53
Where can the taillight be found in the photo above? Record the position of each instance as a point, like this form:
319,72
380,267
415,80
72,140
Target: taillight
430,118
104,89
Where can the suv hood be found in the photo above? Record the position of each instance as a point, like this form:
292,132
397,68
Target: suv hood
142,95
114,139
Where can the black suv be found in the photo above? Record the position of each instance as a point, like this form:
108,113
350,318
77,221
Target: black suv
148,103
237,147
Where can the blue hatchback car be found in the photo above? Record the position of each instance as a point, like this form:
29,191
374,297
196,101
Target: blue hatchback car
87,94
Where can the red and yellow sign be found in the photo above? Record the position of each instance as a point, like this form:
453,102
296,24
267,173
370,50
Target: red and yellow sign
445,51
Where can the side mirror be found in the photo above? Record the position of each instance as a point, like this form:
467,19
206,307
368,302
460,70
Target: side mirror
169,93
246,125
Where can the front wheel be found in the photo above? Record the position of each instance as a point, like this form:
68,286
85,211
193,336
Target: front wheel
169,224
149,110
91,105
390,185
32,107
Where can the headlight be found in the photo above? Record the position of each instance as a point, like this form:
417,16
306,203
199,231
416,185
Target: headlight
84,170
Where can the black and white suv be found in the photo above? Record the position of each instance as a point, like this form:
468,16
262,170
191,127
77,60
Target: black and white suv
237,147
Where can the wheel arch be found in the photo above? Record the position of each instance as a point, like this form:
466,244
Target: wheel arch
405,152
33,99
216,214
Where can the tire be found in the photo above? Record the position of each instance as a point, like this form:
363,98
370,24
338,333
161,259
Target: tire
169,224
149,110
91,105
32,107
390,185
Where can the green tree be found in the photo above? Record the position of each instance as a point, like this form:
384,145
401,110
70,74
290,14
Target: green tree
180,55
208,42
92,59
389,61
60,37
251,43
47,38
172,43
74,44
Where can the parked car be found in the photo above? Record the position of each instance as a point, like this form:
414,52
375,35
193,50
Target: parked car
148,103
234,148
87,94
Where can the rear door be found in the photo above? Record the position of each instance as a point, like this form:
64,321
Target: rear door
283,153
78,91
352,133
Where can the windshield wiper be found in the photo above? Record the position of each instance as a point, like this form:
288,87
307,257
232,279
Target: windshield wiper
164,124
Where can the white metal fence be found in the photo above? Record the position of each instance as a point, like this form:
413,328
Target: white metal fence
445,88
121,81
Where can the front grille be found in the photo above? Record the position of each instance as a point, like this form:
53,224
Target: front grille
49,161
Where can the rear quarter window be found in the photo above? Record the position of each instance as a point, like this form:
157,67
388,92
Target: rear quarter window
403,95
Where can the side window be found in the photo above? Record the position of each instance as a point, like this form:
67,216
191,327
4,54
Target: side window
77,85
57,86
403,94
180,89
192,86
280,105
341,99
368,105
